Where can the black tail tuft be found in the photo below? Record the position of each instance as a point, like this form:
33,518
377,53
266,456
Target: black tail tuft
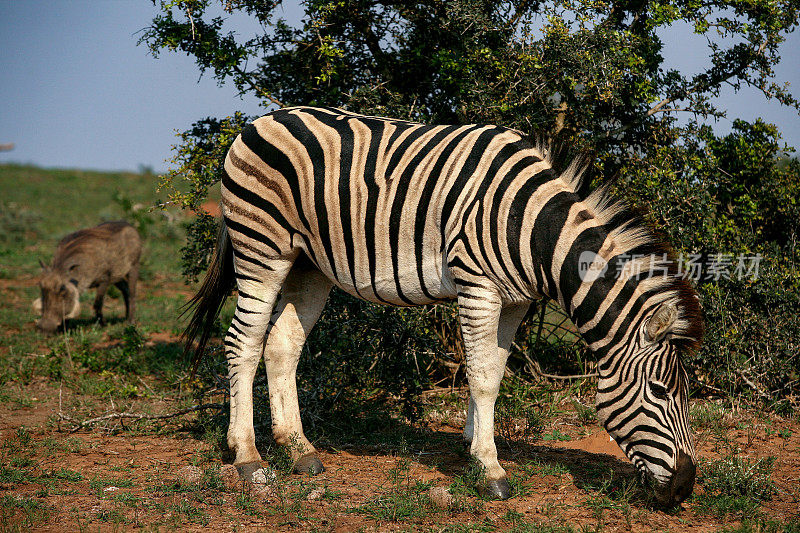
207,303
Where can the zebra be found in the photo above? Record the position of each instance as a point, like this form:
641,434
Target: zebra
406,214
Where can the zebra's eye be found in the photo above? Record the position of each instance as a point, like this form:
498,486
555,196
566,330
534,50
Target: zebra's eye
658,390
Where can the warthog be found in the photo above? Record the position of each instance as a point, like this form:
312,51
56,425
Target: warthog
89,258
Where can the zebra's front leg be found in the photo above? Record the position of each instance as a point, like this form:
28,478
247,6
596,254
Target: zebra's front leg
302,299
510,318
488,330
469,423
244,345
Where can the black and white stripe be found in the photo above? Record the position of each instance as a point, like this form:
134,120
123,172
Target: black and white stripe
406,214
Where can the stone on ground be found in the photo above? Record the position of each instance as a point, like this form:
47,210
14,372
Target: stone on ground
316,494
190,475
441,497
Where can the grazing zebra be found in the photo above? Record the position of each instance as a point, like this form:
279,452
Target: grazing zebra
408,214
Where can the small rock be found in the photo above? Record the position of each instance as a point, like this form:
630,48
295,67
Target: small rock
230,477
262,492
441,497
316,494
262,486
264,476
111,489
190,475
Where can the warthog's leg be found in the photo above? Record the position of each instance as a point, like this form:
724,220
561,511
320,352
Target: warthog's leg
258,290
102,288
127,286
123,287
301,301
488,331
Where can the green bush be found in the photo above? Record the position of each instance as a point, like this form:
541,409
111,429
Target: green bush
737,195
358,351
586,74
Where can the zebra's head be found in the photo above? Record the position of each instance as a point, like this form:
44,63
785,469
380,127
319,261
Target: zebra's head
642,401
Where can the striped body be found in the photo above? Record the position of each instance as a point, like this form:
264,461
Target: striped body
408,214
381,206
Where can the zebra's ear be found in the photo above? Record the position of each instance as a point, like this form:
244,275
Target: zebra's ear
661,322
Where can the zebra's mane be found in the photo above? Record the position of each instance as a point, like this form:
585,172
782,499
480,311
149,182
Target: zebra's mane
572,174
652,256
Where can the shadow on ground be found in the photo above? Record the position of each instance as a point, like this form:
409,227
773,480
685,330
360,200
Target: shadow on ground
377,432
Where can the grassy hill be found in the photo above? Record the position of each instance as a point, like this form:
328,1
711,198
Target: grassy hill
39,207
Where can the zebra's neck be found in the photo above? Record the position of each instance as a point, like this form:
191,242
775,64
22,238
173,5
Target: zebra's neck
607,271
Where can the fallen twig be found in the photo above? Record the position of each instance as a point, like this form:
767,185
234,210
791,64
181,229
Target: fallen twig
79,424
442,390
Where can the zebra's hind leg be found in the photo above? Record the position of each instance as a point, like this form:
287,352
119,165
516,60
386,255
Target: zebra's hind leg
244,343
488,330
302,298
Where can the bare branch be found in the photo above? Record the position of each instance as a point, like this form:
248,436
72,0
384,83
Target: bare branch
761,394
191,19
574,376
79,424
537,370
258,90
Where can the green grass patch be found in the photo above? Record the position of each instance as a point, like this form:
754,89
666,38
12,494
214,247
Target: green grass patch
519,524
537,467
406,498
480,527
762,525
398,505
64,445
707,416
467,482
15,476
66,475
111,516
586,414
191,512
735,486
22,512
556,435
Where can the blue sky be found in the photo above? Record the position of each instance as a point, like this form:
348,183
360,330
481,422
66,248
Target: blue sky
77,92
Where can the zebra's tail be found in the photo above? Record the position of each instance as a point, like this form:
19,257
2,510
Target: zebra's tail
207,303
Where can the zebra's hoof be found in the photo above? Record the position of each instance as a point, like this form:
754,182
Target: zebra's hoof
255,473
309,464
495,489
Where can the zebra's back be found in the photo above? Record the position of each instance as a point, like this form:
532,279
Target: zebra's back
376,204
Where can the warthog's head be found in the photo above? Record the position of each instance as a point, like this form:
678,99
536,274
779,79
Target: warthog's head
59,300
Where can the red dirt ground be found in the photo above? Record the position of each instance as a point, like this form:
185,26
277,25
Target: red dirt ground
354,478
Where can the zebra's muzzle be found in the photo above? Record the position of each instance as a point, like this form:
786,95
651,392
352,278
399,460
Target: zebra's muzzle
679,487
